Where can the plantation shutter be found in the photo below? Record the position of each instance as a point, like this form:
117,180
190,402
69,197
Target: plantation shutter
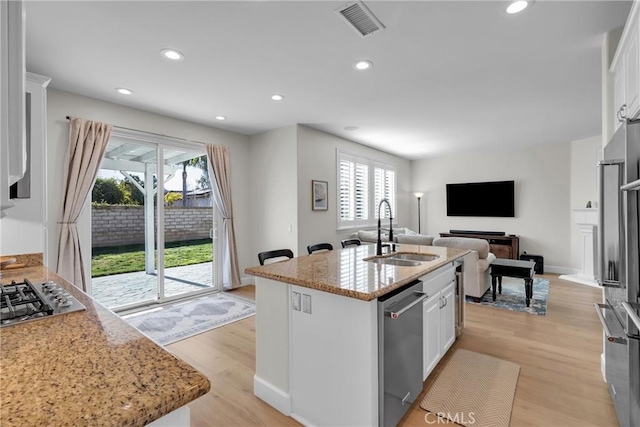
354,191
361,186
346,190
385,188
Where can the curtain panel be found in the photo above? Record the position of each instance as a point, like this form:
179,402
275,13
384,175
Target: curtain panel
219,161
88,142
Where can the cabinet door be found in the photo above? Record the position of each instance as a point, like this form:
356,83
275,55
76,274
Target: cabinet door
501,251
448,317
632,75
431,347
618,93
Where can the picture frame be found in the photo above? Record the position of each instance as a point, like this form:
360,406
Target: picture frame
319,195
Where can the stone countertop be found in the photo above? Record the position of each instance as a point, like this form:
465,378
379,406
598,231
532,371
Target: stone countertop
87,368
344,272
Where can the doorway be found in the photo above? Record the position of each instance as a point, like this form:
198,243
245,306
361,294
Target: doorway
154,223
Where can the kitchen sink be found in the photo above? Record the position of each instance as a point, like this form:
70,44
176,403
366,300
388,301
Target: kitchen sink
395,261
414,257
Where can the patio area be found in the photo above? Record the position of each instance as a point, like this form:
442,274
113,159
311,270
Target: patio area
128,288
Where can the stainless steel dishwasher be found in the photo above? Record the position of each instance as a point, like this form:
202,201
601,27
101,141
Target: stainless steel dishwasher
399,351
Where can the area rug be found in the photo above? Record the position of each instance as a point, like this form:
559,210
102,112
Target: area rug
473,389
513,298
181,320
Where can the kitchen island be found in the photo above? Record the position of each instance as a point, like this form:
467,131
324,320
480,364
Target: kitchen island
317,327
87,368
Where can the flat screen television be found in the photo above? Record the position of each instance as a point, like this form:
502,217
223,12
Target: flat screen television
495,198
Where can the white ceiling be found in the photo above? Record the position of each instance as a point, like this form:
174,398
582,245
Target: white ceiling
447,75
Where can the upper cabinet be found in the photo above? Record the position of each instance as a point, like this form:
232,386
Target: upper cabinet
13,152
626,71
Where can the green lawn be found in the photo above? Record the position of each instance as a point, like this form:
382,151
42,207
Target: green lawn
130,258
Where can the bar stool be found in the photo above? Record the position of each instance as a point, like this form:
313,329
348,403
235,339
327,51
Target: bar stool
278,253
351,242
319,247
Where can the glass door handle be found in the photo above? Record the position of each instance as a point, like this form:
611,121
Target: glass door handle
213,233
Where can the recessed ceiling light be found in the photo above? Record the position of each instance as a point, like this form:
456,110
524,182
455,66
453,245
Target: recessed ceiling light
350,128
172,54
277,97
124,91
221,118
363,65
518,6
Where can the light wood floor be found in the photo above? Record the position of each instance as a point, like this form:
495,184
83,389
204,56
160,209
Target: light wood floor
560,383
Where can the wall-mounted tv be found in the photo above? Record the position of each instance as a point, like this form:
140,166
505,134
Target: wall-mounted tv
495,198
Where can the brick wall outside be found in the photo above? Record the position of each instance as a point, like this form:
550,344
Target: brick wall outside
124,225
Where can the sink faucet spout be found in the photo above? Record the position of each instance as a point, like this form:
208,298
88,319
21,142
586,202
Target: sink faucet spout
379,242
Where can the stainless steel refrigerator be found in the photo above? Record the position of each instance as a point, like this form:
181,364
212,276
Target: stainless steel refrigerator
619,269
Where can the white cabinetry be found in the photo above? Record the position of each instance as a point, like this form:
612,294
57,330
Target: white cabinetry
626,71
438,317
23,227
12,105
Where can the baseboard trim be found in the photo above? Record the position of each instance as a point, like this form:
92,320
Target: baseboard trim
581,280
602,367
302,420
555,269
273,396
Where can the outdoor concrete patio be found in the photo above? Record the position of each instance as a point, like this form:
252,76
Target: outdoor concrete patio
128,288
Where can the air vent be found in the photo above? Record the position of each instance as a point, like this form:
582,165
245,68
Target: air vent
360,18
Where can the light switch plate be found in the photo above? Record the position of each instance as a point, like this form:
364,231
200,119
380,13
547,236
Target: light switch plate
306,303
296,301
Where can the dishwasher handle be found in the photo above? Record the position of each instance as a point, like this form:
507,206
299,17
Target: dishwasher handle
394,314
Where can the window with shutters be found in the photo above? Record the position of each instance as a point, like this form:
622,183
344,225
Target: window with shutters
362,184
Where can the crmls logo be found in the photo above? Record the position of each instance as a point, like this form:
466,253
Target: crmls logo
458,418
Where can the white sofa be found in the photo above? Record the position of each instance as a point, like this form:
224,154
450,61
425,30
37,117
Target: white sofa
476,276
400,235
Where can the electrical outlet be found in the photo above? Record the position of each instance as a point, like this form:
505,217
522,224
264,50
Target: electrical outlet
296,301
306,303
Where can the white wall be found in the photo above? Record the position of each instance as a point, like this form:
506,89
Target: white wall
62,104
317,160
542,200
585,154
274,201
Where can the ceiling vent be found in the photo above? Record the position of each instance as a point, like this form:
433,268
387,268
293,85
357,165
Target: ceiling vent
360,18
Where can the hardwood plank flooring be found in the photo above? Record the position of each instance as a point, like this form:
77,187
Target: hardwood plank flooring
560,382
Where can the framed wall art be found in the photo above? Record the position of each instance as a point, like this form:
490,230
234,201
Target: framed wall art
319,195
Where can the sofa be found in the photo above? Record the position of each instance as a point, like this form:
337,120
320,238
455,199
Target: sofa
400,235
477,271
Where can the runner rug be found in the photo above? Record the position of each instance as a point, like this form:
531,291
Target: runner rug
181,320
474,389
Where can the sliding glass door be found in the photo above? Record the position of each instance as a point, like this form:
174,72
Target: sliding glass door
153,224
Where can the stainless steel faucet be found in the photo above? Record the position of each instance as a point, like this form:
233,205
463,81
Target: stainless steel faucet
390,229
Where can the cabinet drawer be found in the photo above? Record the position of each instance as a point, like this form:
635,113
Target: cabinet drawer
436,280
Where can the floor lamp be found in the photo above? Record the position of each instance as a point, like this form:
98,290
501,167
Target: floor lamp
418,195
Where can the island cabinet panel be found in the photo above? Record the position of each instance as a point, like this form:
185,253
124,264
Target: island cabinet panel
334,359
431,328
271,381
438,316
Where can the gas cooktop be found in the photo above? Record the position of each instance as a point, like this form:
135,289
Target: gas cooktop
26,301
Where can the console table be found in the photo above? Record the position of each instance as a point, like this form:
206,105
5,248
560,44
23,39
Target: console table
507,246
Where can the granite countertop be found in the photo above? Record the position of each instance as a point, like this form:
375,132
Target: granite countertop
87,368
344,272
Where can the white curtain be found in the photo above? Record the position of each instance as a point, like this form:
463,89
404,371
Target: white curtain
87,144
221,185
